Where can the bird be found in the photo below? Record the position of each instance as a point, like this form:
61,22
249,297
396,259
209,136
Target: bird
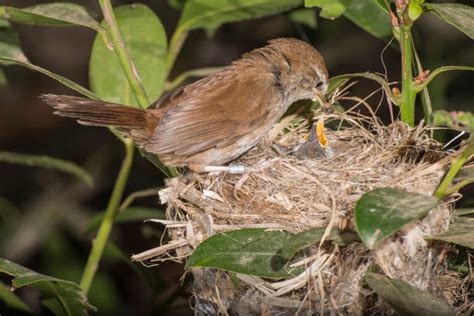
211,122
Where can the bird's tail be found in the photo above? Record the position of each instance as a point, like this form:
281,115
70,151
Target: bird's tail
136,123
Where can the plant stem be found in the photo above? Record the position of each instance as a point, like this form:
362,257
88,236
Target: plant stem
128,67
105,228
442,190
407,107
123,55
176,43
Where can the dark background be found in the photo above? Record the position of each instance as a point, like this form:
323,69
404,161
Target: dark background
43,213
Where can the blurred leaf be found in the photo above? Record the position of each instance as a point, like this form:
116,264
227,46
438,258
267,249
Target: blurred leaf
382,4
415,9
336,82
131,214
212,14
247,251
460,232
456,120
177,4
60,296
47,162
3,78
370,17
10,42
304,16
309,237
146,42
68,83
406,299
458,15
11,300
51,14
384,211
330,9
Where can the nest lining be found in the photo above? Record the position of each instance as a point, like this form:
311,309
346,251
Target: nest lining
282,191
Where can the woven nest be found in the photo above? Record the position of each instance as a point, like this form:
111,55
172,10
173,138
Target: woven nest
285,192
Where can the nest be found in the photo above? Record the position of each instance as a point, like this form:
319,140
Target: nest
285,192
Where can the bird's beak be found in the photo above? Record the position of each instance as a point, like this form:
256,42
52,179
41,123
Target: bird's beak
325,105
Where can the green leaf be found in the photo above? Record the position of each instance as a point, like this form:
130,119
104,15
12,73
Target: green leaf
309,237
406,299
247,251
330,9
212,14
10,42
131,214
146,42
68,83
46,162
458,15
382,4
460,232
414,10
11,300
384,211
60,296
52,14
370,17
304,16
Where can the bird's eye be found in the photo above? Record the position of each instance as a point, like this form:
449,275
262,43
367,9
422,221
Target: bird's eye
319,84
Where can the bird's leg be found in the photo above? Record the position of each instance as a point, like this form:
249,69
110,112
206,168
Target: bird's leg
234,169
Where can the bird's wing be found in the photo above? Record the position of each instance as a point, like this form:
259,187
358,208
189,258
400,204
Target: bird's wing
210,113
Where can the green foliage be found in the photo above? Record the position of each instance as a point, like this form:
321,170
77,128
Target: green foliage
455,120
247,251
68,83
369,17
295,243
145,39
52,14
260,252
384,211
60,296
330,9
209,15
47,162
304,16
11,300
407,299
364,13
458,15
10,42
415,9
379,213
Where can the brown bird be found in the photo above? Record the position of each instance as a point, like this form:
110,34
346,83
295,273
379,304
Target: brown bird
218,118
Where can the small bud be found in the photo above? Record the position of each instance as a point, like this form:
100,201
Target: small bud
396,92
422,77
